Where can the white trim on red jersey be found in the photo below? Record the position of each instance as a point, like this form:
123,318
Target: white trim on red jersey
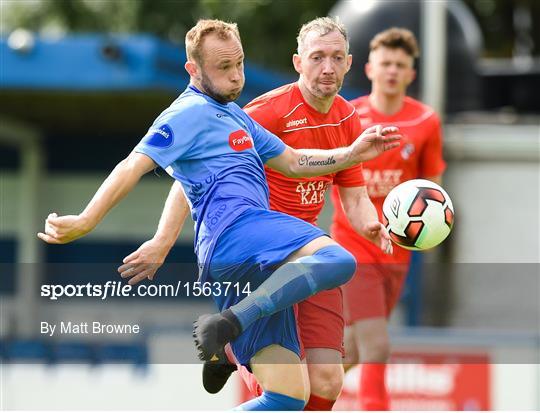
322,125
293,109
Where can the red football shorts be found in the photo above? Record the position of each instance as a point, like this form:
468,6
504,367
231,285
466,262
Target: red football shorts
320,320
373,291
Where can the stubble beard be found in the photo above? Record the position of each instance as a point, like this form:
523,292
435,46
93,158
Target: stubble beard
325,95
215,94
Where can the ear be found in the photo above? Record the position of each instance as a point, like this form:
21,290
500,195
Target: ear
367,70
349,62
192,69
412,77
297,63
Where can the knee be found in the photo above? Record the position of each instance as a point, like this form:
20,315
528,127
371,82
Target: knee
345,267
342,264
376,350
349,265
326,380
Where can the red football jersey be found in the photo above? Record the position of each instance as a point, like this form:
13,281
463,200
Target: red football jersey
284,112
418,156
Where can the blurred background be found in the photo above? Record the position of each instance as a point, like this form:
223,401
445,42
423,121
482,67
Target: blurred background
82,80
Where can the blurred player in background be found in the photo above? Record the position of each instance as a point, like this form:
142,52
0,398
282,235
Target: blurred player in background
217,152
375,289
307,114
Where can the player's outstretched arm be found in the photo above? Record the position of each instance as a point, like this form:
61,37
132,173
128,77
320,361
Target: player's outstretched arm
362,216
145,261
302,163
67,228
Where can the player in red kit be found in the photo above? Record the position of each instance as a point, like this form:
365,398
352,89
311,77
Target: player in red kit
310,114
374,291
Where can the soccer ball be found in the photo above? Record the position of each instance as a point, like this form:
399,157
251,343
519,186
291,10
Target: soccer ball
418,214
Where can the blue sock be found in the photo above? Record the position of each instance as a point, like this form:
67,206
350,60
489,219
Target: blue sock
271,401
295,281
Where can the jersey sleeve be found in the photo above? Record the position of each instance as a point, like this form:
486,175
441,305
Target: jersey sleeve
172,136
263,113
353,176
431,159
267,144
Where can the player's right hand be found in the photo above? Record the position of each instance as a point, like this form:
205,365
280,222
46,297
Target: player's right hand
64,229
143,263
377,233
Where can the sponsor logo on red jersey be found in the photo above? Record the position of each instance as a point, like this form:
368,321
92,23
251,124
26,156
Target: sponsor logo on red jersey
407,151
296,122
380,183
240,140
312,192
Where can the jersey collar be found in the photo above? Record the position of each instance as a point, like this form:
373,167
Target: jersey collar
210,98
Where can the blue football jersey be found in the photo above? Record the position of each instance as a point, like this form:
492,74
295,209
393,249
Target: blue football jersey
217,153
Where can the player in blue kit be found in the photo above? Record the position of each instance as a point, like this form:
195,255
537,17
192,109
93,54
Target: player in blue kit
216,152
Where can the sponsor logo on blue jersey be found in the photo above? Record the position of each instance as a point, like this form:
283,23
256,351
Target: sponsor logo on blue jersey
162,137
215,215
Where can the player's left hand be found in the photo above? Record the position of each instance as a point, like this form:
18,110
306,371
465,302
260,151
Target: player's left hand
64,229
374,141
377,233
143,263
